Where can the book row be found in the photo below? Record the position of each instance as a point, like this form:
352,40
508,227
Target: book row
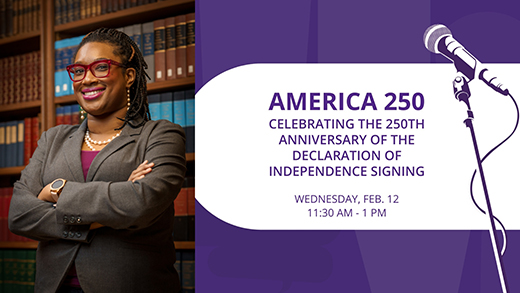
18,140
68,114
184,221
20,78
72,10
185,266
6,193
177,107
17,270
184,227
168,47
18,17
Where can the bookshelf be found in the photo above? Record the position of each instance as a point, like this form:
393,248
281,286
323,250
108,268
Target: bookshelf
43,40
34,245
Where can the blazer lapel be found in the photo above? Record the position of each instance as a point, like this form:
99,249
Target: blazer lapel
127,136
72,152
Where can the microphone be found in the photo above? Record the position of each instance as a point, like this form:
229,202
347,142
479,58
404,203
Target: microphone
438,39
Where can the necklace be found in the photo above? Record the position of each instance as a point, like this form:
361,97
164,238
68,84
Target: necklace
89,140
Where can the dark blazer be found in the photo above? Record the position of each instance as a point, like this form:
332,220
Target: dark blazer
135,251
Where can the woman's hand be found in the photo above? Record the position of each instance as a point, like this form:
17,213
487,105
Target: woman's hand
141,171
45,194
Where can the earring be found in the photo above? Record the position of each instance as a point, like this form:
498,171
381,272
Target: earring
82,113
127,99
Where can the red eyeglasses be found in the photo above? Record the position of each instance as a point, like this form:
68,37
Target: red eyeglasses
99,69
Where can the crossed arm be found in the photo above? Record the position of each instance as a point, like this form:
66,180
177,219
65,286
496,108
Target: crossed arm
139,173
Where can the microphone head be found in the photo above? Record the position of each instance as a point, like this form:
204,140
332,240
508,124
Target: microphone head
433,35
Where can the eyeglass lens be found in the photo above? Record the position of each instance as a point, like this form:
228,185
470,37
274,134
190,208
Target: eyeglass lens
98,69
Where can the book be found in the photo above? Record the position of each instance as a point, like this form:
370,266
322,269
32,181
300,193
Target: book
59,50
188,271
167,106
60,111
10,143
20,142
190,44
154,104
171,47
75,114
190,192
159,50
3,152
180,226
148,49
189,128
67,115
138,36
179,109
35,133
180,51
27,146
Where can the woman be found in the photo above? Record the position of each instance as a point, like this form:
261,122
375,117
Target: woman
99,196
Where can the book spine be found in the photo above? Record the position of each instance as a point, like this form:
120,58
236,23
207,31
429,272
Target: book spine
3,19
59,115
159,50
10,144
20,142
4,212
3,151
148,50
67,115
180,227
2,80
188,271
154,105
27,140
9,17
180,52
167,106
190,44
170,48
190,191
138,36
179,115
190,120
75,113
35,132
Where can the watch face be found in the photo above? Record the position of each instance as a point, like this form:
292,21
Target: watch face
57,184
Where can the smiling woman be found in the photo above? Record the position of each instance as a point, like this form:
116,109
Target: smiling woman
106,223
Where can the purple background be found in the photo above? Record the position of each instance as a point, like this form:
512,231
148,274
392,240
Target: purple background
231,33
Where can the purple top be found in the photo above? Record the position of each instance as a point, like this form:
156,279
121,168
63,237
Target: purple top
86,159
71,280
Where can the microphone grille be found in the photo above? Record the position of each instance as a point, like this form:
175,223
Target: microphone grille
433,34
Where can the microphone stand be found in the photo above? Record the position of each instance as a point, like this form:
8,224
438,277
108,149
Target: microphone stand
462,93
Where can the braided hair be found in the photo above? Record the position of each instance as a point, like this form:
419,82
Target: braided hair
131,57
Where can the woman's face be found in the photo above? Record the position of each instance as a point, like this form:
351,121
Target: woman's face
105,95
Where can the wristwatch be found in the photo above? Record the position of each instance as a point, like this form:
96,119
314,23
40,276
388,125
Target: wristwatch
56,187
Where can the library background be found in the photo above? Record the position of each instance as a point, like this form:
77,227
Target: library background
37,41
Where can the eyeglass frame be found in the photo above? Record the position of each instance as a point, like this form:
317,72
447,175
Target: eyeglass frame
89,68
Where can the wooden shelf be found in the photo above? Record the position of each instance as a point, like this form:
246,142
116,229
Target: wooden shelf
155,87
19,244
184,244
190,157
30,36
34,244
11,170
33,105
20,43
142,13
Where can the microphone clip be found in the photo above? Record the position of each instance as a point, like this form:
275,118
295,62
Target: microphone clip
461,88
